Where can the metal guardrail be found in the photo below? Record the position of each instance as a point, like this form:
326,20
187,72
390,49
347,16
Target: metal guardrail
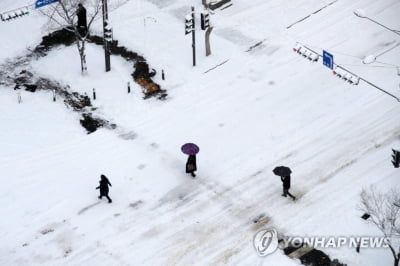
15,13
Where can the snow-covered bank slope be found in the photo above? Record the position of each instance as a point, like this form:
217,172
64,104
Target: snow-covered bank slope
260,109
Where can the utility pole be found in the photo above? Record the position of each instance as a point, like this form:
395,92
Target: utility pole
194,37
105,36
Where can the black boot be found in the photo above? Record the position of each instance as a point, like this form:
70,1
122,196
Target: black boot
109,200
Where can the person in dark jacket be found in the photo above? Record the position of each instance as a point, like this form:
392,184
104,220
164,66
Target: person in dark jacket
82,21
286,186
191,165
104,183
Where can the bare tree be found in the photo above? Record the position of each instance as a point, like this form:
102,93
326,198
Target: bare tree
384,211
63,15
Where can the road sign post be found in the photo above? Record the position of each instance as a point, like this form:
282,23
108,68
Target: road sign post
327,59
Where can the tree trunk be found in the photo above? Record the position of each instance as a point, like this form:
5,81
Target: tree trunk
396,256
207,39
81,49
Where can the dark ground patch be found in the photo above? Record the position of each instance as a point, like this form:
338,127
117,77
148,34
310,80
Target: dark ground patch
59,37
314,257
79,103
91,124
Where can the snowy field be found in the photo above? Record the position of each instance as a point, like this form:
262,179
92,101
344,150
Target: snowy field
265,107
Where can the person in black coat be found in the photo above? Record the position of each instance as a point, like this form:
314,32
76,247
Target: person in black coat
82,21
191,165
286,186
104,183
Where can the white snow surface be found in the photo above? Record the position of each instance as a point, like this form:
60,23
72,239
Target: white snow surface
265,107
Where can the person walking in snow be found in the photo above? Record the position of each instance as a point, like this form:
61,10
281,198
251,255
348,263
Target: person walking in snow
191,165
286,186
104,183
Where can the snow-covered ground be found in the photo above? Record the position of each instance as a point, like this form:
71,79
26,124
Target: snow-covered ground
262,108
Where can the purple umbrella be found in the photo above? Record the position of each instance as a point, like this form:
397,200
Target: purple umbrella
190,148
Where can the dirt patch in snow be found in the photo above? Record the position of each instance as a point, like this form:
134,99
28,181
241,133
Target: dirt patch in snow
79,103
311,256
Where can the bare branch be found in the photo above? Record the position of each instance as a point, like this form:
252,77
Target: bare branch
384,214
64,15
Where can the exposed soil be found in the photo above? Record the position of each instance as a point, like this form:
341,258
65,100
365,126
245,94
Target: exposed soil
79,103
314,257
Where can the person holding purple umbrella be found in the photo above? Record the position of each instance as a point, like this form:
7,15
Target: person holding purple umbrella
191,165
190,149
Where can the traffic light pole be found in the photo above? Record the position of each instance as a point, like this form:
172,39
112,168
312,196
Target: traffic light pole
193,38
106,43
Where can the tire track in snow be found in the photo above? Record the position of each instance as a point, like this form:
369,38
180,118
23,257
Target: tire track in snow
241,211
238,211
313,13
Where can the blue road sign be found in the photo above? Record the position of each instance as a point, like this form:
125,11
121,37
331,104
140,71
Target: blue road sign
40,3
327,59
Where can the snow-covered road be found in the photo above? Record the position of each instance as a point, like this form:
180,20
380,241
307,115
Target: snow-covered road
260,109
